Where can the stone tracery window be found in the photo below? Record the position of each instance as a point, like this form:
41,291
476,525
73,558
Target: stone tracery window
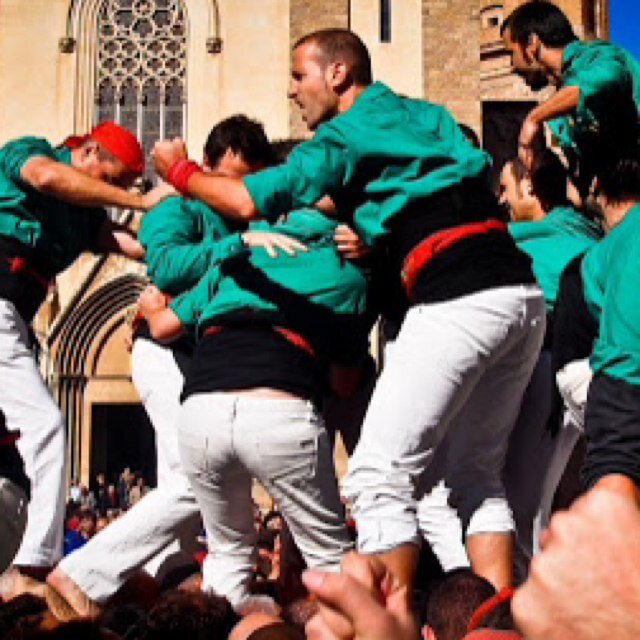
141,67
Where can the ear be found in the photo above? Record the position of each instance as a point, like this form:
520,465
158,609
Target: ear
337,74
526,186
427,633
532,48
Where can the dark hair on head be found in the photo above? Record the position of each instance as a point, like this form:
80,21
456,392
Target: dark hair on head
544,19
277,631
22,606
619,179
282,148
470,135
242,135
344,46
454,600
549,180
178,615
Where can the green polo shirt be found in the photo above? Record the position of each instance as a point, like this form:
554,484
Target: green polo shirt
611,277
609,81
306,291
552,243
54,231
383,154
182,238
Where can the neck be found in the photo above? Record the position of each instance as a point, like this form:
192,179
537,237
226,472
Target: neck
615,213
552,58
537,212
348,98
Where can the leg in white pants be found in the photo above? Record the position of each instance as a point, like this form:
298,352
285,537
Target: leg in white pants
573,383
225,439
466,363
29,408
166,513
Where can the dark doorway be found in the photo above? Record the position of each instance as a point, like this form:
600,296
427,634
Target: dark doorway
122,437
501,122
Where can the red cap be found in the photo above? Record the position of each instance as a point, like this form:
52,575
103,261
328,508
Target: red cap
120,143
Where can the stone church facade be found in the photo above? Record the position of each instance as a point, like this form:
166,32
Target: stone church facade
175,67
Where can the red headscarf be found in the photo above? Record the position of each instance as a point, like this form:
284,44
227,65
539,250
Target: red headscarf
119,142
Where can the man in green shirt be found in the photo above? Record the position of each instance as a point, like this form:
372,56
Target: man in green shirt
402,171
270,330
611,277
51,203
594,114
556,232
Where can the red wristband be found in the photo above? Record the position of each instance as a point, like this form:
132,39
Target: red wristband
179,174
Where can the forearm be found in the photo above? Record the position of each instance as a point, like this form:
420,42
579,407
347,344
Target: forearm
164,325
228,196
116,238
562,103
72,186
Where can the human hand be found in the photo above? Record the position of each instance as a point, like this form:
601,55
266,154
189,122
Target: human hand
166,153
363,602
349,244
154,197
151,300
272,242
584,585
529,132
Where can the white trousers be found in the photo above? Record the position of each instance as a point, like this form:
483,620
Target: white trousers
573,383
460,365
226,439
29,408
167,514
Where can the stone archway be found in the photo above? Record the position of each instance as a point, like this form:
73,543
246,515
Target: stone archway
91,364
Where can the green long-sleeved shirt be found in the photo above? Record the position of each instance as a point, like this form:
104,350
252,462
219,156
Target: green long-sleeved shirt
552,243
607,115
54,232
611,278
314,292
383,154
182,238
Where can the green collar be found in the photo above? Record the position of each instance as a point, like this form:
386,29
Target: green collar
571,51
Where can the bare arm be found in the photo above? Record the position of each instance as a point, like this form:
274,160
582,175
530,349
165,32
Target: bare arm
69,185
164,324
116,238
228,196
562,103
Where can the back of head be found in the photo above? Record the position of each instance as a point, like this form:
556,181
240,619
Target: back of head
178,615
342,45
549,180
619,179
453,601
542,18
242,136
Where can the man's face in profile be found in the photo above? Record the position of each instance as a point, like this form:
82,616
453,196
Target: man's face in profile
525,64
309,87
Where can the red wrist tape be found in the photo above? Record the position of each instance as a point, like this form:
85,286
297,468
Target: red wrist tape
179,174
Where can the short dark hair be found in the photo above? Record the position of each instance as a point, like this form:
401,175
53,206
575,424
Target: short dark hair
549,180
178,615
242,135
544,19
342,45
619,179
454,600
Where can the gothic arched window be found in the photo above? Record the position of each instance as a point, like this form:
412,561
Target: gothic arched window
141,68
